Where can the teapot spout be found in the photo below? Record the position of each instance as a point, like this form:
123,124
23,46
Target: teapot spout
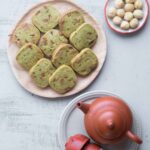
83,107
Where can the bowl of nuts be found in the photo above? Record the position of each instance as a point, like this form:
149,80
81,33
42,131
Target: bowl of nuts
126,16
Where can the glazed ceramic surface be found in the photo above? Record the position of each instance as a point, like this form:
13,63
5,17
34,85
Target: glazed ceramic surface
108,120
99,49
72,122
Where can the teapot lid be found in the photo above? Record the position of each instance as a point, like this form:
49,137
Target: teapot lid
110,123
108,119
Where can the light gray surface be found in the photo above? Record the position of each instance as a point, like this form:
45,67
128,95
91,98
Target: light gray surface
29,122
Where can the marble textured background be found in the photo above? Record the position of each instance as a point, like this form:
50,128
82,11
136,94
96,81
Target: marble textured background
29,122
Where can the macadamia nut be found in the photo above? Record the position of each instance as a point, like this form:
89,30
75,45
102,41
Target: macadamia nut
111,12
125,25
134,23
129,7
119,3
138,4
130,1
138,14
128,16
117,20
121,13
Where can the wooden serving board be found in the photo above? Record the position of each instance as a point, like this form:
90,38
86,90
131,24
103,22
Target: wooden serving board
23,76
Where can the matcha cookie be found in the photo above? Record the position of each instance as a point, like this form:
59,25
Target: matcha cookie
28,55
46,18
26,33
50,41
41,72
84,37
63,79
70,22
63,55
85,62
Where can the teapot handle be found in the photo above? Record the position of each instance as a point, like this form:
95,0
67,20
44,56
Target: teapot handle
134,137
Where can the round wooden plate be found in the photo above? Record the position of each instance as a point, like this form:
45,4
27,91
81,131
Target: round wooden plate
99,49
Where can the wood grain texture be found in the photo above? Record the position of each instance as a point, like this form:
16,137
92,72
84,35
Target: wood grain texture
29,122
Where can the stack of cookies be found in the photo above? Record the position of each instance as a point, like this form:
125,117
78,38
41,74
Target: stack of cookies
55,49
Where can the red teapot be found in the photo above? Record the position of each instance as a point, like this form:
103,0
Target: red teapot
108,120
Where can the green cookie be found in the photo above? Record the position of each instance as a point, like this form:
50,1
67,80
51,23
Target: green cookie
50,41
28,55
46,18
26,33
85,62
70,22
84,37
63,55
41,72
63,79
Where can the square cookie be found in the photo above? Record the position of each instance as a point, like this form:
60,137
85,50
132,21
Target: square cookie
63,55
46,18
85,62
84,37
26,33
70,22
63,79
28,55
50,41
41,72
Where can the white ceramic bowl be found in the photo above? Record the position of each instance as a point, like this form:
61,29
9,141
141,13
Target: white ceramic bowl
111,25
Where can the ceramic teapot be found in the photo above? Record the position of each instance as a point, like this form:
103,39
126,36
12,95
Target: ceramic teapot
108,120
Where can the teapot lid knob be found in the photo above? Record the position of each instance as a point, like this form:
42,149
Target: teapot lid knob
110,124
